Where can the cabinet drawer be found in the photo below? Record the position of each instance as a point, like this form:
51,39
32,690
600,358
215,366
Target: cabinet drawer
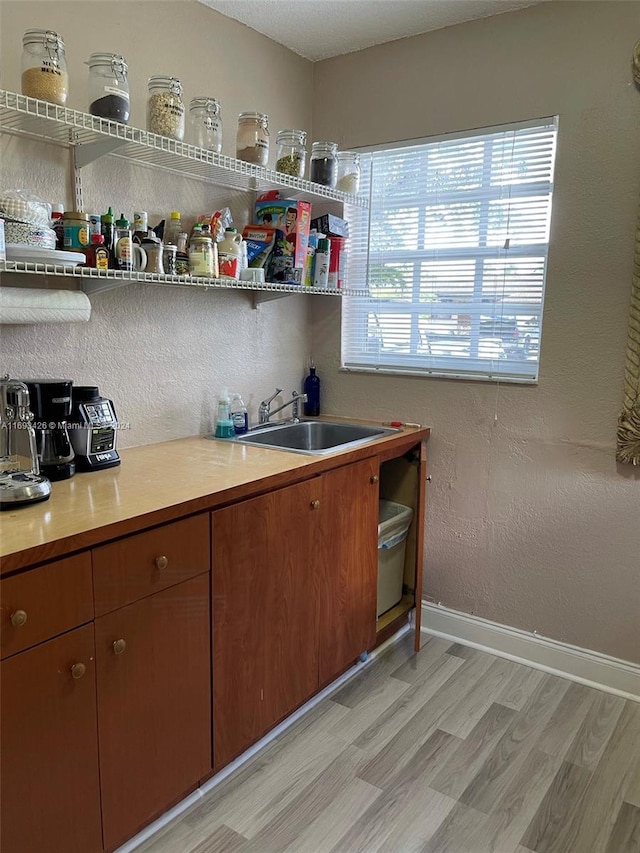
132,568
44,602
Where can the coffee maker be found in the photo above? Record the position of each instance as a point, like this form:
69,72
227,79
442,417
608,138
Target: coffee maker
94,430
20,479
51,406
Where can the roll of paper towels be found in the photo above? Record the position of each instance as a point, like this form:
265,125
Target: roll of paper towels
25,305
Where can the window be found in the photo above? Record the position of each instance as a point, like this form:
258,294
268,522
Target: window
454,256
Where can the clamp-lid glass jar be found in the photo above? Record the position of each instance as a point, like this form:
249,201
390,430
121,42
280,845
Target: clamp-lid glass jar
108,87
165,107
252,139
44,67
324,163
291,155
206,123
348,172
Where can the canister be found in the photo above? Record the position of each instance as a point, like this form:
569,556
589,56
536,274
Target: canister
76,231
44,67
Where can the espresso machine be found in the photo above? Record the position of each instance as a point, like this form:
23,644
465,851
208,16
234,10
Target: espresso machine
51,407
20,480
94,429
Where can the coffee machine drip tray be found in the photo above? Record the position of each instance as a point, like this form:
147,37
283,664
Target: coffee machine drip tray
21,488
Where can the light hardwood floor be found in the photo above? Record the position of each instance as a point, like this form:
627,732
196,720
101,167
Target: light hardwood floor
448,751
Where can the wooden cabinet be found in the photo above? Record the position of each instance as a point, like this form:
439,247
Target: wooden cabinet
346,545
49,769
294,598
265,655
154,699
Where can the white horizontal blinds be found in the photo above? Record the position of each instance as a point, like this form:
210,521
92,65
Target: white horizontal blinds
457,250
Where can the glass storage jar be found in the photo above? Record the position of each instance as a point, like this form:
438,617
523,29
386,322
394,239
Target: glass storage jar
165,107
203,257
108,87
291,155
44,67
348,172
324,164
252,139
206,123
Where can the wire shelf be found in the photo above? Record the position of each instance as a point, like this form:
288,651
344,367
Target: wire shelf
92,137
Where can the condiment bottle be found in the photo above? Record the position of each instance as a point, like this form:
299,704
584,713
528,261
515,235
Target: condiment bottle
206,123
44,67
324,165
348,172
182,254
97,253
291,155
165,107
108,87
173,229
123,248
252,139
108,232
230,253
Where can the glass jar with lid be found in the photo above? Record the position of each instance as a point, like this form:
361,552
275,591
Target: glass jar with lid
206,123
165,107
252,139
348,172
324,164
44,67
108,87
291,155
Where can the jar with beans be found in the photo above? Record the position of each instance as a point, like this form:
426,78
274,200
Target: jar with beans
108,87
324,163
290,152
165,107
206,123
44,67
252,139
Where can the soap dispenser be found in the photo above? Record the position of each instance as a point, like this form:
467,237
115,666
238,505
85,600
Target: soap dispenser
224,424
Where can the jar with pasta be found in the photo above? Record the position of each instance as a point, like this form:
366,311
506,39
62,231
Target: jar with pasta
165,107
44,67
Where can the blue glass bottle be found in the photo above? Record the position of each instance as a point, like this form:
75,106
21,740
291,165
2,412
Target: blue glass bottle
312,390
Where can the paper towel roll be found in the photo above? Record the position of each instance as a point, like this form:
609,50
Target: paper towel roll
25,305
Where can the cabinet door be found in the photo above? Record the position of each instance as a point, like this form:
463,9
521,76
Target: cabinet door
50,792
265,655
346,540
154,704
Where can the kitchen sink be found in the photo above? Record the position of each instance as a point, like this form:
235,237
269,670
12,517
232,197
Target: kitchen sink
315,437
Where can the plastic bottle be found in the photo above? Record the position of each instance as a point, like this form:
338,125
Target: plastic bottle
123,251
321,263
239,414
230,254
108,232
312,390
173,229
224,424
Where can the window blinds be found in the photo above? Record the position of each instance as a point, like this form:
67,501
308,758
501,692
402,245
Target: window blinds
454,256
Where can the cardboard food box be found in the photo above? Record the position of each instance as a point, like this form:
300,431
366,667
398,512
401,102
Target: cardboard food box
291,219
333,226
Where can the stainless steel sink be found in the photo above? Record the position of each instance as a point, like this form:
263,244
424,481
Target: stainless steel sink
315,437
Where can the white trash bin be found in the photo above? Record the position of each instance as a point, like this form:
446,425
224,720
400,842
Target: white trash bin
393,525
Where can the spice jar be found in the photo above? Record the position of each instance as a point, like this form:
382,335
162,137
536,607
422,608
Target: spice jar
324,164
348,172
44,67
291,155
108,87
206,123
165,107
252,139
76,231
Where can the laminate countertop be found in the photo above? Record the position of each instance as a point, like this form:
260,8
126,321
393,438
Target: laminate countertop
157,483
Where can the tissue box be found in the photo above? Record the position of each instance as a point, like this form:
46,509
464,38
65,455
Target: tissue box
291,219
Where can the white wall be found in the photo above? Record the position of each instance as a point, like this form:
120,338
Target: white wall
162,354
530,522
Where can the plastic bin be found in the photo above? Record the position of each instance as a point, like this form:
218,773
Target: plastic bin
393,525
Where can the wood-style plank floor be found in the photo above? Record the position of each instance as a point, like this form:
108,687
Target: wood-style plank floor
451,750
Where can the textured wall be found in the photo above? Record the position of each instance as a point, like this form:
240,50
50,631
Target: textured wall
529,523
162,353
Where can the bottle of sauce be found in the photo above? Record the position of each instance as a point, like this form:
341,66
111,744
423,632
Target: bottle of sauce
123,248
97,253
108,232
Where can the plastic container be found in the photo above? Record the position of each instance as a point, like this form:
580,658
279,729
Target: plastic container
291,154
109,87
321,262
311,407
252,138
206,123
239,415
230,254
224,424
394,521
44,67
324,164
76,231
348,172
123,252
173,229
165,107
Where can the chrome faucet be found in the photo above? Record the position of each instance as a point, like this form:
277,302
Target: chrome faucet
265,413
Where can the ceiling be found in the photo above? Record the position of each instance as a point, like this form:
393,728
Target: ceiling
320,29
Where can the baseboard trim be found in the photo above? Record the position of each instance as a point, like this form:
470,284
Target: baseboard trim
193,798
603,672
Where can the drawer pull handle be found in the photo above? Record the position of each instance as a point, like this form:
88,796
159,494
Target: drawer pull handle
374,478
18,618
78,670
162,562
315,504
119,646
